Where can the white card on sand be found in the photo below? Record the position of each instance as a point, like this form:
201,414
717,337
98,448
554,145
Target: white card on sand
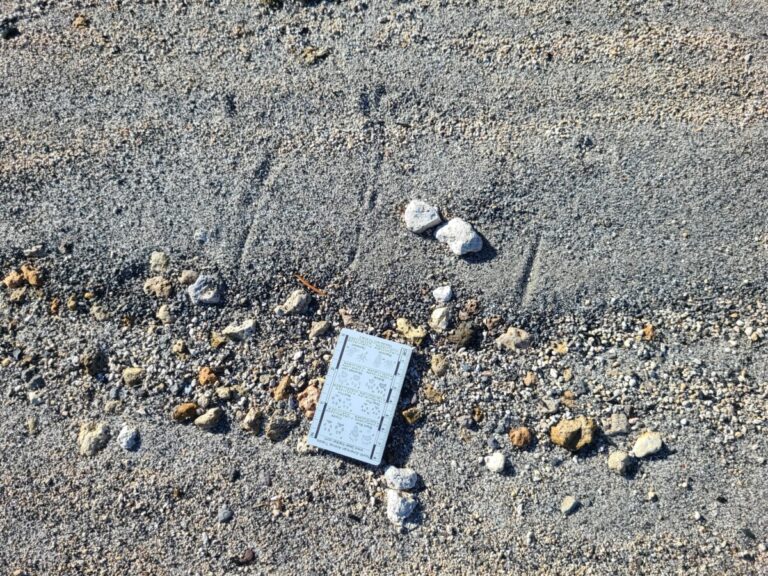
359,397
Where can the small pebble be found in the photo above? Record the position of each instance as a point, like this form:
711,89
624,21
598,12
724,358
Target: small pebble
420,216
442,294
128,438
648,444
460,237
400,478
400,505
225,514
569,505
495,462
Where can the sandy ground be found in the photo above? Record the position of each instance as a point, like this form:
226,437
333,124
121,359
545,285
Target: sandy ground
611,155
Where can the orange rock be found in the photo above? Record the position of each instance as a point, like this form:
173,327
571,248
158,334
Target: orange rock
185,412
31,275
14,279
520,437
308,401
283,389
648,332
207,377
574,434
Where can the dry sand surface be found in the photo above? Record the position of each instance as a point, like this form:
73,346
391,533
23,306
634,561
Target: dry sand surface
612,158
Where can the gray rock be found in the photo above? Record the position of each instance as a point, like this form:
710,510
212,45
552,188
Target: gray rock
128,438
618,425
420,216
400,478
400,505
569,505
460,237
240,332
496,462
225,514
297,303
442,294
204,291
647,444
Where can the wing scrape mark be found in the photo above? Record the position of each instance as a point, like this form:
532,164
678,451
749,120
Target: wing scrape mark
524,284
247,201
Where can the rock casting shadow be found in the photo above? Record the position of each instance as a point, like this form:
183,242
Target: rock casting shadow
487,254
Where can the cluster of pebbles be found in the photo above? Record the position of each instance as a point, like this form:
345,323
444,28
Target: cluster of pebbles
618,386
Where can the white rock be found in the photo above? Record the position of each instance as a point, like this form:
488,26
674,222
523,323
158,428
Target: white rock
495,462
400,505
460,237
439,319
297,303
442,294
128,438
205,290
240,332
420,216
647,444
400,478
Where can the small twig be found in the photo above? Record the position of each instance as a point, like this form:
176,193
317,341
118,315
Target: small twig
309,286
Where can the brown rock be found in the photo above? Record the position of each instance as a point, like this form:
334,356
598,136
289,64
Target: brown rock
210,419
514,339
433,395
81,21
308,401
438,364
648,332
207,377
412,414
184,412
17,296
283,389
158,287
574,434
520,437
133,376
31,275
14,279
530,378
464,335
180,348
